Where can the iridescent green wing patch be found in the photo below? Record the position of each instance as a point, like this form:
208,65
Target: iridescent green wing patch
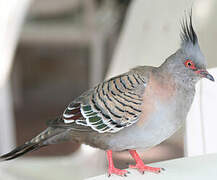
95,120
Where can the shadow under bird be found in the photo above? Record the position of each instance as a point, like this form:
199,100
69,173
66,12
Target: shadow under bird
137,109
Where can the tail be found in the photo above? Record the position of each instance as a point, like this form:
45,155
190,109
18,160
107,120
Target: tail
19,151
49,136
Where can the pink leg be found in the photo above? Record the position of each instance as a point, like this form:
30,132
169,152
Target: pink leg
140,165
112,169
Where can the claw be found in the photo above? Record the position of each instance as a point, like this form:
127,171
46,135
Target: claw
142,168
140,165
119,172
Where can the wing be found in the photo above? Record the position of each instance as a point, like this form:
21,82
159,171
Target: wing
110,106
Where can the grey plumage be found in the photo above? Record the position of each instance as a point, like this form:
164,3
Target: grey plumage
137,109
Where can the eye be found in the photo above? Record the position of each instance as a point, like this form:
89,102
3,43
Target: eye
189,64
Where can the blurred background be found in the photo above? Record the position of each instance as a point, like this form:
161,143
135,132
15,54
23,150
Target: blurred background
59,49
64,48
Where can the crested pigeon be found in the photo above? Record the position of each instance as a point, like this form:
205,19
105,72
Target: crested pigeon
137,109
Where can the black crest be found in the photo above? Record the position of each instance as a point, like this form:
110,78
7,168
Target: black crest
188,34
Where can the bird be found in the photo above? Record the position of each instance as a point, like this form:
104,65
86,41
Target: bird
135,110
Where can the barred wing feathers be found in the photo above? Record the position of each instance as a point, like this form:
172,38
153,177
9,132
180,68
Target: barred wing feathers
110,106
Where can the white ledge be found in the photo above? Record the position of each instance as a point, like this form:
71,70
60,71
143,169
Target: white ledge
193,168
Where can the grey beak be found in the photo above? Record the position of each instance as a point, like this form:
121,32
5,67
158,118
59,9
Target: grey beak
210,77
205,74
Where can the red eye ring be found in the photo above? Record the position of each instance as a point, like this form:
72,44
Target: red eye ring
189,64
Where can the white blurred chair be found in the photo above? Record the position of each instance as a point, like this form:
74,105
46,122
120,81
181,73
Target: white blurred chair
12,13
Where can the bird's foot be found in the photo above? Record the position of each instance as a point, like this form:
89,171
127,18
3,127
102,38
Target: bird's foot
142,168
118,172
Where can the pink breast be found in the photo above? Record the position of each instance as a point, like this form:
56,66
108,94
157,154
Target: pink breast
158,90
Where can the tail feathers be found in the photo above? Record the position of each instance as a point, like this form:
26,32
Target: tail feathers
32,145
48,136
20,150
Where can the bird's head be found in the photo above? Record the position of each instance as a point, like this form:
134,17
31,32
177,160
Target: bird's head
188,61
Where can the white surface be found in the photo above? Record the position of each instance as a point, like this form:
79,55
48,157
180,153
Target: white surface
79,167
86,162
194,168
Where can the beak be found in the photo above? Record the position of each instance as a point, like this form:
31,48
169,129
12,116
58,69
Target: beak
205,74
